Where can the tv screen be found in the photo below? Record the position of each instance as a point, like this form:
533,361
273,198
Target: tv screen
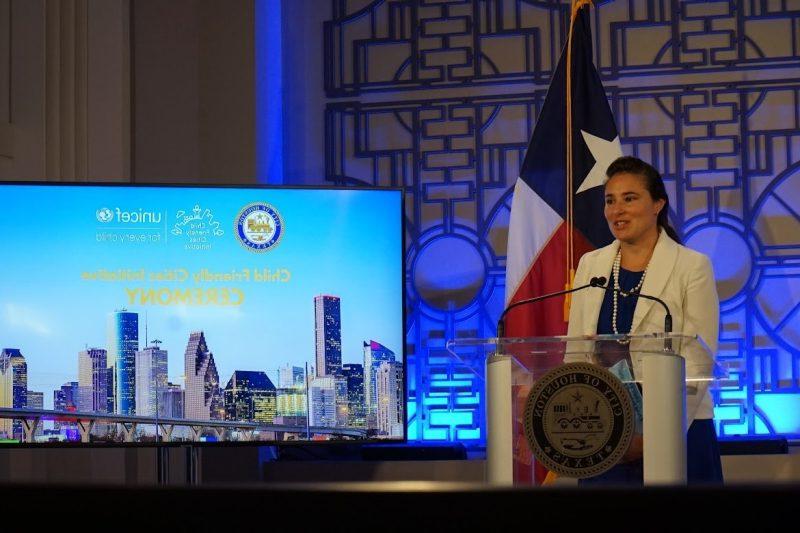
168,314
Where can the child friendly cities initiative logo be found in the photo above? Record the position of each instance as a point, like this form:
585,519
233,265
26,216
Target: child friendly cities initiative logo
259,227
197,226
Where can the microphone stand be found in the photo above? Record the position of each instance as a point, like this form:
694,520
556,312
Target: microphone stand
501,324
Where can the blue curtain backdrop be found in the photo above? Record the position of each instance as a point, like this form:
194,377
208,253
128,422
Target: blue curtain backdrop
441,99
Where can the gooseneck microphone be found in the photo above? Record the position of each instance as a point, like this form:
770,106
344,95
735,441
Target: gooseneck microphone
501,324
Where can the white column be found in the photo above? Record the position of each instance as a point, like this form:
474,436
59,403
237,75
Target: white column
499,423
664,398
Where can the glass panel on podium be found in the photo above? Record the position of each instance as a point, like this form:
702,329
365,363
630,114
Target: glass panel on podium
661,374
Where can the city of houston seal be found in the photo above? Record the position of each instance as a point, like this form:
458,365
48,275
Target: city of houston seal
258,227
578,420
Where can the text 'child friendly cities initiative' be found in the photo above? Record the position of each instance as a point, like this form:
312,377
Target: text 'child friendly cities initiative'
280,275
221,296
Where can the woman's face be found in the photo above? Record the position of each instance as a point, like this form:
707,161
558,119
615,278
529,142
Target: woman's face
631,212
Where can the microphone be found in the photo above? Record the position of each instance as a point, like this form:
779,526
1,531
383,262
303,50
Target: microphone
501,324
599,281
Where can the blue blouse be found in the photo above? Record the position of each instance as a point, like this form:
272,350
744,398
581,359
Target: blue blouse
625,306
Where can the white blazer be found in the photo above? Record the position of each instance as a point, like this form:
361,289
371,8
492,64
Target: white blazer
683,278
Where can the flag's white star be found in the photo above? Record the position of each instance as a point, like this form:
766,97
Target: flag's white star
604,152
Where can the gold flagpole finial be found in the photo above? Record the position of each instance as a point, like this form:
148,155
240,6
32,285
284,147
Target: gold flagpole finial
578,4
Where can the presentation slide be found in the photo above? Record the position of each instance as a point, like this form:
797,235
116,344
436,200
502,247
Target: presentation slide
280,307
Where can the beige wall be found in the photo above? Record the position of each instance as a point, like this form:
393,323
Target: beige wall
5,80
114,90
304,104
64,110
193,91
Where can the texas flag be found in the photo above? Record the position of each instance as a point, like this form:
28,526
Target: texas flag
557,212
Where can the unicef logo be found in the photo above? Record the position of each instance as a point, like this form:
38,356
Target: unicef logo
258,227
104,215
579,420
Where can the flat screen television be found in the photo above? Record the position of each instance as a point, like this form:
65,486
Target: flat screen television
170,313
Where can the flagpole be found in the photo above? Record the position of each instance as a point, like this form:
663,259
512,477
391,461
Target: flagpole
542,231
570,270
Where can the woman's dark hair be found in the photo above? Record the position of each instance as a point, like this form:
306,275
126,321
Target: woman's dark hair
653,183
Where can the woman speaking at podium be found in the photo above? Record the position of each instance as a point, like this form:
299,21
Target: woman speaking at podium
646,258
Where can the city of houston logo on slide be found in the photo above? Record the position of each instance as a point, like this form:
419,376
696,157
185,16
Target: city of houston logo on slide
259,227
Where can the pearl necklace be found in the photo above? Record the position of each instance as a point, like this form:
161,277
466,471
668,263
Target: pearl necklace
615,269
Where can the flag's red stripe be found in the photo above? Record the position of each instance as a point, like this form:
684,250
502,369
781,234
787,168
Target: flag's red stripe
548,274
541,319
